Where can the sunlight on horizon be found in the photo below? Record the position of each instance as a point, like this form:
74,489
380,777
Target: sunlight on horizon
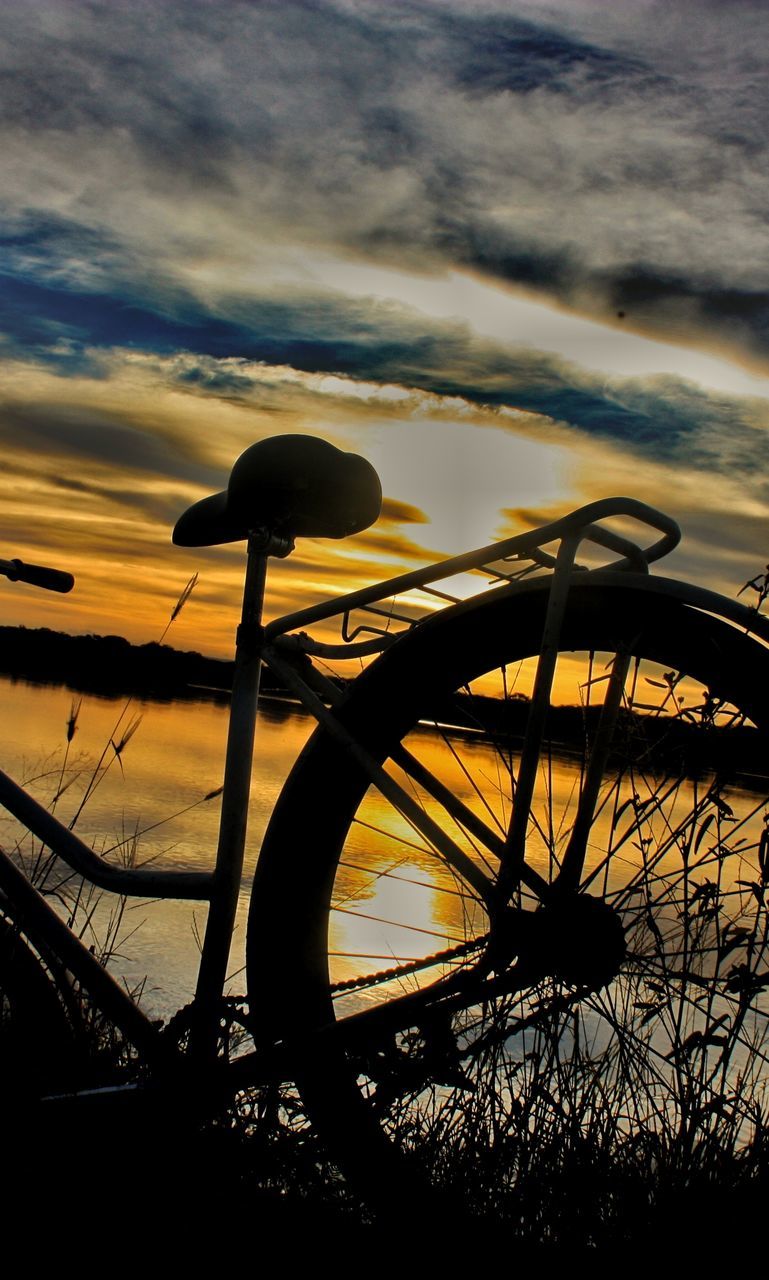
457,475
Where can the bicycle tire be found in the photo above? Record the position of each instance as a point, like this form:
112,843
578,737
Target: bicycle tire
37,1041
650,1038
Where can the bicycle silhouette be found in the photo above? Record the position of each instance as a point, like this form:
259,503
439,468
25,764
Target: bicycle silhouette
444,924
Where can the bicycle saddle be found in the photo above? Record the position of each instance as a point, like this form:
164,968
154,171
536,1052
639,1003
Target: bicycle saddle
292,485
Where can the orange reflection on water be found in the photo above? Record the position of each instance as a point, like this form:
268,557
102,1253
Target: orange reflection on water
396,900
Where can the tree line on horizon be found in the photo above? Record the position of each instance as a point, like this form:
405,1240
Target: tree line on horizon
110,666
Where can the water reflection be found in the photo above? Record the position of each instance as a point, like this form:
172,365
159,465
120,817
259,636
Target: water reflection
676,859
395,901
149,806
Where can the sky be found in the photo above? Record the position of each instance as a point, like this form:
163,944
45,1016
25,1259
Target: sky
515,254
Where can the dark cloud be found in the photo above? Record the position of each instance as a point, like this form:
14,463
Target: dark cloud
395,512
50,489
58,324
496,53
616,160
663,417
173,173
393,546
192,189
70,435
217,381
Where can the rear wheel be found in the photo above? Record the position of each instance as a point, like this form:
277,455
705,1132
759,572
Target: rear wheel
626,996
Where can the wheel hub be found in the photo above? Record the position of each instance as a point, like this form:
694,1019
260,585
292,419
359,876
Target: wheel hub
577,939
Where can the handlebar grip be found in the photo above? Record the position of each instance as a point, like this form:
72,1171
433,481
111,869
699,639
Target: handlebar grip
40,576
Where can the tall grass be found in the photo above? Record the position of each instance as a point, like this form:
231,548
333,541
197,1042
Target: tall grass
567,1138
99,919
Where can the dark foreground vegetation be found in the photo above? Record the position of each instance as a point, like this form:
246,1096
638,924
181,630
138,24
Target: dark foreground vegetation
558,1185
554,1171
574,1150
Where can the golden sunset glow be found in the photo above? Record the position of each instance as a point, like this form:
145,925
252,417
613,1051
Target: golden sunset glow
455,475
500,357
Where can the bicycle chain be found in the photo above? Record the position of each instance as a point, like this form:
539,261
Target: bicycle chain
413,966
179,1024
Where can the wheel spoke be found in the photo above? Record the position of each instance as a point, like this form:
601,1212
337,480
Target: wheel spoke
534,1013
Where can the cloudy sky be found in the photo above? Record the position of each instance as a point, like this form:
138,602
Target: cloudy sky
516,254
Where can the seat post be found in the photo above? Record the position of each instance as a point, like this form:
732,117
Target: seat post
235,794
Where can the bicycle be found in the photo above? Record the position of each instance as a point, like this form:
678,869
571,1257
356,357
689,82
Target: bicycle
600,938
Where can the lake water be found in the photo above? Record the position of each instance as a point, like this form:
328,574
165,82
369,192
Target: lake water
172,761
396,900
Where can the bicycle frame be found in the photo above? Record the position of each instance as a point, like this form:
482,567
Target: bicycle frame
288,652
